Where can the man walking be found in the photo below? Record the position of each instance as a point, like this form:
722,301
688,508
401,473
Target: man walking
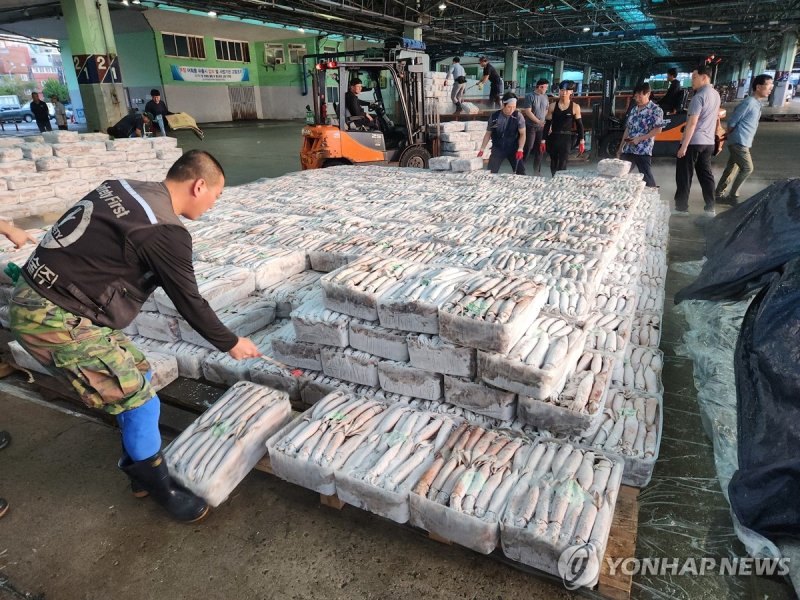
534,109
506,129
645,121
88,279
742,128
490,74
459,75
671,101
41,113
61,112
697,144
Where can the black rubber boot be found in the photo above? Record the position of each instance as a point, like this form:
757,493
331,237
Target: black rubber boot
137,489
153,476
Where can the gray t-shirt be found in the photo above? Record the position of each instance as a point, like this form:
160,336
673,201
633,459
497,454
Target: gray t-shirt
538,103
705,103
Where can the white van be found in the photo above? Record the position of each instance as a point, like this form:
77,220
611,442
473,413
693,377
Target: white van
10,101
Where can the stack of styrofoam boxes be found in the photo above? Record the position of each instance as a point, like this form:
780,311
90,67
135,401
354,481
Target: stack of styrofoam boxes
459,144
437,92
572,229
49,172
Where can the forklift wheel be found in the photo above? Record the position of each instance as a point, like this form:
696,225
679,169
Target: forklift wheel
415,156
609,144
335,162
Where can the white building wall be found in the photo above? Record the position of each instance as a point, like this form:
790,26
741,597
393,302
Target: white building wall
208,103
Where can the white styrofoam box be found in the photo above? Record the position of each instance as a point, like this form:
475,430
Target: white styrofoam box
613,167
163,369
16,211
169,154
76,162
475,126
291,292
25,360
242,317
470,108
10,142
79,149
401,378
9,197
440,163
60,137
188,356
33,151
115,157
287,349
220,367
377,340
269,265
46,205
26,180
94,136
125,144
11,154
140,155
219,285
432,353
451,126
462,165
350,365
462,154
315,324
459,146
480,398
163,142
19,167
455,136
232,435
51,163
75,191
158,326
3,184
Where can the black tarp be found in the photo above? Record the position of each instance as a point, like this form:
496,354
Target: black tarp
757,245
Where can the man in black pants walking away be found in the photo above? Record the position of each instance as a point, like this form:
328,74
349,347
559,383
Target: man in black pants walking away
41,113
697,144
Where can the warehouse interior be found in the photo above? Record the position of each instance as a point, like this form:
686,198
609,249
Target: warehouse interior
73,530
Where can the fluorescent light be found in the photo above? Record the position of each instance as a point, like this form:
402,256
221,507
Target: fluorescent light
442,6
136,1
212,13
301,30
587,29
125,2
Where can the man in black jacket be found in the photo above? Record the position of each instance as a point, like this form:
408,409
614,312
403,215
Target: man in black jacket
671,101
88,279
158,108
131,125
354,104
41,113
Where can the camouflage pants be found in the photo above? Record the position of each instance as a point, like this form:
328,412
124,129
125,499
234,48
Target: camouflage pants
100,363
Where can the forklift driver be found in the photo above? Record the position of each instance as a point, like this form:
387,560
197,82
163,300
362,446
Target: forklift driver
353,106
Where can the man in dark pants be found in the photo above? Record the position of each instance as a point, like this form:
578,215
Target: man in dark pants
506,129
670,102
697,144
87,280
490,74
644,122
158,108
534,109
41,113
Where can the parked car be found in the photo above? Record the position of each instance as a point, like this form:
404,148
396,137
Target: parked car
17,115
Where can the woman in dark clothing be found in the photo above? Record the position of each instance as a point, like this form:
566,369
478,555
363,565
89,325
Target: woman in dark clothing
557,137
158,108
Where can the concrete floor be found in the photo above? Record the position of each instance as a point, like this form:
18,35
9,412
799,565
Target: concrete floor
73,531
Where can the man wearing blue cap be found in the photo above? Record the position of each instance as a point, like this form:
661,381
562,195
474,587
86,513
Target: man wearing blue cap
506,129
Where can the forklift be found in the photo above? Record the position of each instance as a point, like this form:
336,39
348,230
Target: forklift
394,84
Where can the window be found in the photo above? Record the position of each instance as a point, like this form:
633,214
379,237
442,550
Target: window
273,54
185,46
296,53
330,49
232,50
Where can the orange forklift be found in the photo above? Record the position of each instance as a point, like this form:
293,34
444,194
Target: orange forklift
394,87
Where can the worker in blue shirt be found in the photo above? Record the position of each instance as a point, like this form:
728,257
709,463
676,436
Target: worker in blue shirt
741,130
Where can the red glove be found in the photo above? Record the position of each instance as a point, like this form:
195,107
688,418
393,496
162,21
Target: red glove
581,147
542,147
519,155
480,153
